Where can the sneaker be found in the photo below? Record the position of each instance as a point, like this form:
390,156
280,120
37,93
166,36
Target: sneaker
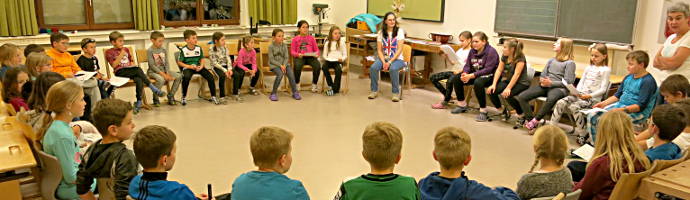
506,114
314,88
171,100
482,117
373,95
137,107
273,97
296,96
160,93
395,98
215,100
582,140
184,101
460,109
223,100
253,91
329,92
532,124
440,105
299,87
238,98
156,104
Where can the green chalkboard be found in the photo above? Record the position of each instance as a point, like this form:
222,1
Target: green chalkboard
425,10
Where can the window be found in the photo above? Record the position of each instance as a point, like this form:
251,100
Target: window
199,12
84,14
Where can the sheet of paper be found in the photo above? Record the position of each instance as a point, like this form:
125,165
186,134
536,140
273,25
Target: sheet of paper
585,151
571,88
371,35
593,110
450,53
84,75
118,81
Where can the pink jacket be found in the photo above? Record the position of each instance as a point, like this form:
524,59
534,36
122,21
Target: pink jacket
245,58
303,44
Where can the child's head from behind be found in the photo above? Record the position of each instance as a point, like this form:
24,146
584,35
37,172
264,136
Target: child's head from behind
190,37
564,49
382,144
465,39
668,121
154,147
10,55
637,61
157,39
113,118
615,139
88,46
675,88
40,88
599,55
550,142
59,41
684,105
271,149
452,147
37,63
14,80
31,48
278,35
117,39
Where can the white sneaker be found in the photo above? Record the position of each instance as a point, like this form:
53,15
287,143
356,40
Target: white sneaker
395,98
373,95
314,88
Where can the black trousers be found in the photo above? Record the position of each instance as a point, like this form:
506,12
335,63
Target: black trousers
221,80
516,90
338,67
552,96
205,73
238,78
137,75
480,85
311,61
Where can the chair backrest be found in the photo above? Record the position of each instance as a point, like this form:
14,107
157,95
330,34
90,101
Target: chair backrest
407,53
51,174
570,196
232,48
628,182
108,69
530,71
263,54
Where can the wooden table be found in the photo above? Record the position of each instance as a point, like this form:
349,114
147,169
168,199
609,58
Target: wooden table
15,153
674,181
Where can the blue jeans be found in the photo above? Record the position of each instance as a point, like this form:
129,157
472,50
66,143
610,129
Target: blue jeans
393,70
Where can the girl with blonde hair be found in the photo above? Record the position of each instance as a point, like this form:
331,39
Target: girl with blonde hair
550,178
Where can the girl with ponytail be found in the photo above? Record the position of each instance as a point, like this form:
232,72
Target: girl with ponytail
510,78
550,177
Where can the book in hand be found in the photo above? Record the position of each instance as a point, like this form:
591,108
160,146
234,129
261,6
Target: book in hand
118,81
310,54
84,75
571,89
450,53
585,152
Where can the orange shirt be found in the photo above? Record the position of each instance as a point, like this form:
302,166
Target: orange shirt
63,63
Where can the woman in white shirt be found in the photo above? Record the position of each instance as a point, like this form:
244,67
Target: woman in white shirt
672,58
389,43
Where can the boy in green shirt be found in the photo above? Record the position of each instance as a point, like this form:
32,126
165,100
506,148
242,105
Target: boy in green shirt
191,62
382,143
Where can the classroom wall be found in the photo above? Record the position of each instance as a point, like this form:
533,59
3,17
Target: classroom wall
476,15
304,11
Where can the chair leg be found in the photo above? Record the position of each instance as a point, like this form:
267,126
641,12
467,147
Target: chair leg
347,82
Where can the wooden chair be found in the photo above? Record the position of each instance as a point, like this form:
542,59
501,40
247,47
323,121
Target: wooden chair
202,83
346,70
142,57
265,69
51,174
234,52
110,73
631,181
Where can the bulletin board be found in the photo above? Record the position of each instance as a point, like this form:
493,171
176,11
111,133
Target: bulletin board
424,10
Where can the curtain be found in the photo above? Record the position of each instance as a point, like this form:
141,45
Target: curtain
17,18
146,15
274,11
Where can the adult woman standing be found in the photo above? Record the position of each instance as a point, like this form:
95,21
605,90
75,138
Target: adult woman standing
672,58
388,58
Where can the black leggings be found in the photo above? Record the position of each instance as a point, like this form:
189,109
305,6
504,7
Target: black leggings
311,61
187,76
238,78
516,90
552,96
337,66
480,85
221,79
137,75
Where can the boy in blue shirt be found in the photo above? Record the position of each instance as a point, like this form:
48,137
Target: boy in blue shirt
271,150
154,147
666,124
452,151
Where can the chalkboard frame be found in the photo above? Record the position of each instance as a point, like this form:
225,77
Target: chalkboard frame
441,20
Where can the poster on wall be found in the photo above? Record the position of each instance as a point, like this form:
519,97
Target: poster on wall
664,30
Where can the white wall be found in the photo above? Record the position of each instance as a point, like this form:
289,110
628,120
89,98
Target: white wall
478,15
